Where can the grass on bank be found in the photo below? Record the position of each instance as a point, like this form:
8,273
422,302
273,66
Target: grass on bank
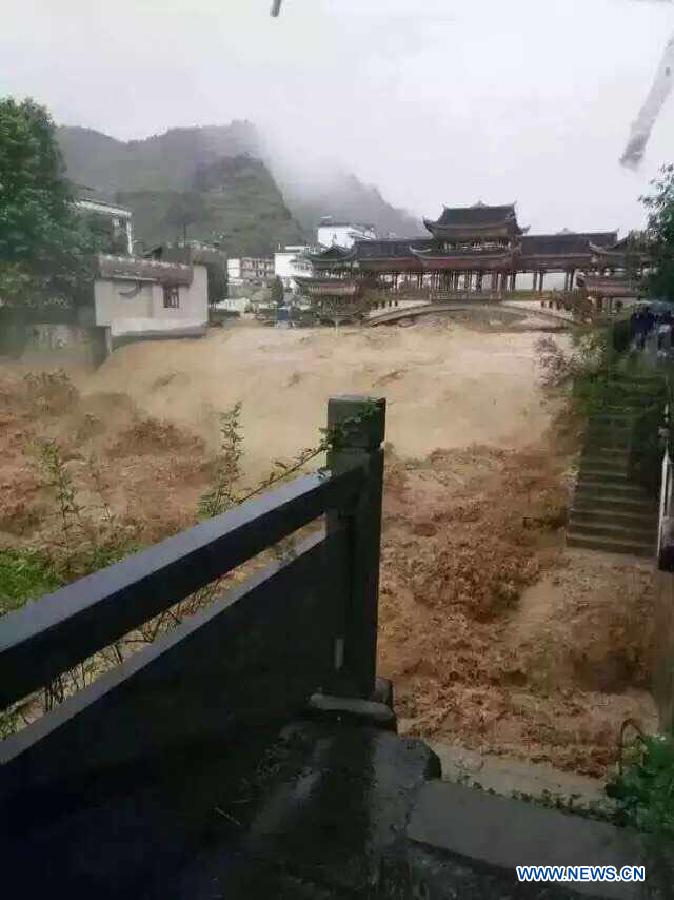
24,575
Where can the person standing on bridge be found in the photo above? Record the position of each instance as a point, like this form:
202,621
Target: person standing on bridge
635,328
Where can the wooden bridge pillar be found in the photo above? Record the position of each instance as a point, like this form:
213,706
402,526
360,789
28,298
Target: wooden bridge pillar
359,445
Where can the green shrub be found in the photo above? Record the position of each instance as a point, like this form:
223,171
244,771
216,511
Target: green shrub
644,789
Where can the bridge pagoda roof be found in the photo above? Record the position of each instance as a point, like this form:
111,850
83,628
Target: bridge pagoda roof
465,222
475,260
567,243
391,249
611,285
632,245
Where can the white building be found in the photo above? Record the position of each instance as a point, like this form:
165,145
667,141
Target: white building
122,219
146,298
234,304
289,262
234,271
343,234
249,270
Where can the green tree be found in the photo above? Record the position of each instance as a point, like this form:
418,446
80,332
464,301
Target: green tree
44,247
277,291
660,233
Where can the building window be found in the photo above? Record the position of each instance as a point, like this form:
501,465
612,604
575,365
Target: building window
171,297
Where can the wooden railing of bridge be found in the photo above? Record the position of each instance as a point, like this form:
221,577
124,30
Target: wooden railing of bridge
226,677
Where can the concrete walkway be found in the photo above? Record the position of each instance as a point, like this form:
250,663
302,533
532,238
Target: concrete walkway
511,777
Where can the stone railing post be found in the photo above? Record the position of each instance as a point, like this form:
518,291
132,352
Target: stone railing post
359,444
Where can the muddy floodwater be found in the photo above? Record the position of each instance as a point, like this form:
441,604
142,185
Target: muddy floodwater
497,637
444,387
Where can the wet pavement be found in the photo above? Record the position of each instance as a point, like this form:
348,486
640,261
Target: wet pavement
324,810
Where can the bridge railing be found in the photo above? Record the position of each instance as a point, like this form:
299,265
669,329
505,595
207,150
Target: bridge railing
665,545
230,674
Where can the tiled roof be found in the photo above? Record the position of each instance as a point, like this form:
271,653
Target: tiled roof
566,243
129,268
531,245
475,215
391,249
333,254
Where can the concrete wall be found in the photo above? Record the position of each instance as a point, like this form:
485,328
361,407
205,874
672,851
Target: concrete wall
63,345
111,304
145,312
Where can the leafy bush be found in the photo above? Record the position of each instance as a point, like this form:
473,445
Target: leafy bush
644,790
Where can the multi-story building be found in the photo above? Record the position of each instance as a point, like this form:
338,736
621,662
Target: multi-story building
250,270
290,262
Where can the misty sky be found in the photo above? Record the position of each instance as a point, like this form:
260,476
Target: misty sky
434,101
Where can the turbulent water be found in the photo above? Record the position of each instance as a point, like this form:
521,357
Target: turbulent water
444,387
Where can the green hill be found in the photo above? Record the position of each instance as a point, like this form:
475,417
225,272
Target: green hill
234,201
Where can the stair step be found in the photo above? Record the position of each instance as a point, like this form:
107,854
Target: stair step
610,465
606,412
634,384
601,476
607,453
635,377
598,514
628,407
614,429
620,530
601,443
612,435
611,488
614,466
611,545
627,504
604,420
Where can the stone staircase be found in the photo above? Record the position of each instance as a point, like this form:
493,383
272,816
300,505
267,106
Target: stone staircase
611,511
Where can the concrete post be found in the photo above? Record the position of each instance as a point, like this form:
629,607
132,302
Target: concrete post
359,446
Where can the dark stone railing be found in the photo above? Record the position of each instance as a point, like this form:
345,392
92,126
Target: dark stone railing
226,677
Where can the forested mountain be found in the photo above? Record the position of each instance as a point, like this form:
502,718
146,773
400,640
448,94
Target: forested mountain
219,183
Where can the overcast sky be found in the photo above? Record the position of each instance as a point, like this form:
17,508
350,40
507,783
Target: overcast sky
434,101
